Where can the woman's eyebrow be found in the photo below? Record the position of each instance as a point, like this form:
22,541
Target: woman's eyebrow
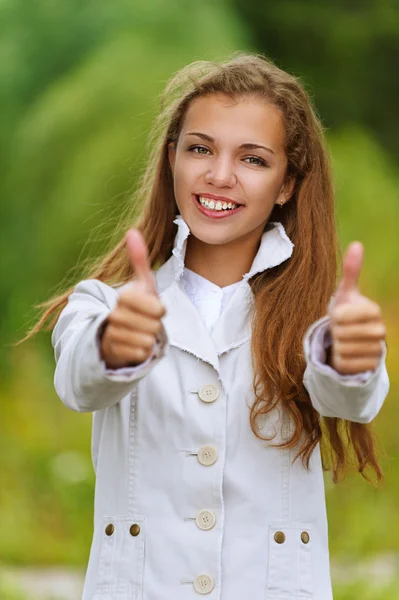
248,145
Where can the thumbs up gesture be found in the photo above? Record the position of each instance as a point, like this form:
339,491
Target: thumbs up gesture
131,328
357,328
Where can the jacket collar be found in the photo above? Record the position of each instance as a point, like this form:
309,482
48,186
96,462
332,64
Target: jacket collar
183,324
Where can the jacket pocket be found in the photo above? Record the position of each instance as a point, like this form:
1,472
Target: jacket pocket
290,562
121,563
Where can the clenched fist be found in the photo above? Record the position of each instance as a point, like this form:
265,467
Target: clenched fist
356,324
132,327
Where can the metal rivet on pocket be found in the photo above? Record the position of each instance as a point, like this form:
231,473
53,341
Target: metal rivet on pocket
279,537
109,530
305,537
134,530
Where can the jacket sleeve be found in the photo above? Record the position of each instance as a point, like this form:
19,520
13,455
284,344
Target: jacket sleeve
81,379
356,398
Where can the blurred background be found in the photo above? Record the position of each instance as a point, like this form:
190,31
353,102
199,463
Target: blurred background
80,83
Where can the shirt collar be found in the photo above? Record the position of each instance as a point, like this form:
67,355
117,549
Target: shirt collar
275,247
196,284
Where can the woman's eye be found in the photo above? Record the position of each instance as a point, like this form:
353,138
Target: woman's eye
198,149
258,161
254,160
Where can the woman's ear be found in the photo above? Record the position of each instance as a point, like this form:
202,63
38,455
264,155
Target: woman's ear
172,155
287,189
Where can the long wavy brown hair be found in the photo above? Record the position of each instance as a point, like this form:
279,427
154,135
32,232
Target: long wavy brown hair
287,298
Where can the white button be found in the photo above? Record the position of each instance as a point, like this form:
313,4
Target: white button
207,455
208,393
205,520
204,584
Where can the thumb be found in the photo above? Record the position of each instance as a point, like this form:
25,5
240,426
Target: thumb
351,268
138,256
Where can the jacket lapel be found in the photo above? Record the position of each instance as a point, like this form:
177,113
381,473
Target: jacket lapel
185,328
183,324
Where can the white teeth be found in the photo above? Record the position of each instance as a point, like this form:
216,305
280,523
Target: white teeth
216,205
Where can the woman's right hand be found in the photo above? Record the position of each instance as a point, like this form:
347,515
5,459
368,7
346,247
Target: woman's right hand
131,329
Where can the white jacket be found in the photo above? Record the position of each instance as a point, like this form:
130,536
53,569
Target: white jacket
188,502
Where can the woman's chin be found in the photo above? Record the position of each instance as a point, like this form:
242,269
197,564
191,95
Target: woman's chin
217,235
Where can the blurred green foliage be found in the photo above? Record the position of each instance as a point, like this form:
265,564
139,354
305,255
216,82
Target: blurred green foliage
80,85
346,50
76,114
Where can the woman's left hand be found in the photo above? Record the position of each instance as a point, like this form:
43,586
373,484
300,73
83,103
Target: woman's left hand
357,327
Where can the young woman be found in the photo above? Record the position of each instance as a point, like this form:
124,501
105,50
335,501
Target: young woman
215,357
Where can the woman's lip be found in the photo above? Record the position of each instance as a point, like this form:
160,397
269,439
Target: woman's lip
215,214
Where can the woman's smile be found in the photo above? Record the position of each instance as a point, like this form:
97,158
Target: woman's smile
216,209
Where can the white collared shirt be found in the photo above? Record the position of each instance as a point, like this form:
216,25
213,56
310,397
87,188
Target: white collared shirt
209,299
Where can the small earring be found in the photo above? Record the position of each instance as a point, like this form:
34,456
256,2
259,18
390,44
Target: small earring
281,204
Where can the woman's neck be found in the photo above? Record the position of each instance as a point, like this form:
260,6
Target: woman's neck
223,264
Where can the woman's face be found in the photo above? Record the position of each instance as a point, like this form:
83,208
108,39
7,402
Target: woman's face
229,151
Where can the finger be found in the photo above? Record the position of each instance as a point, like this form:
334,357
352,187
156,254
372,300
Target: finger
351,268
371,332
138,255
135,339
140,301
363,311
357,349
123,319
127,354
352,367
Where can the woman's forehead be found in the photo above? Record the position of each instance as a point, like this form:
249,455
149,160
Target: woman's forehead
245,119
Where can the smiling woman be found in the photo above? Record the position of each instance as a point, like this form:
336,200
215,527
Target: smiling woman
204,345
225,172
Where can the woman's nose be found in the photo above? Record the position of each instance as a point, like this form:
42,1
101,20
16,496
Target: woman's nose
221,173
